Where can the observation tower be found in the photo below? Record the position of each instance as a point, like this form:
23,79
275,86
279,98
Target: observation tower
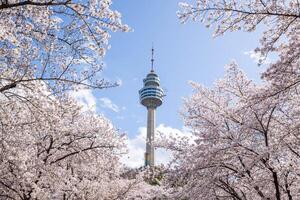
151,96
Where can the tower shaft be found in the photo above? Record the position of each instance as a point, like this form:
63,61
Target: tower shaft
149,155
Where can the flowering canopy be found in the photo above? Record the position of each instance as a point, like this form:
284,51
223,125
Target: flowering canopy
58,41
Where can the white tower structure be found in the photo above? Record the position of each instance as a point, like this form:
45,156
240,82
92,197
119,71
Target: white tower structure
151,96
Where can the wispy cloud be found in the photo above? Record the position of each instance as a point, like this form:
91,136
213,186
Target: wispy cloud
257,57
107,103
120,117
85,98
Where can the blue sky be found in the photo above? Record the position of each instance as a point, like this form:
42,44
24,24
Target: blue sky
183,52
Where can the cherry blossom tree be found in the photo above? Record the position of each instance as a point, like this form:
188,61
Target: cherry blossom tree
242,149
50,149
58,41
245,143
280,20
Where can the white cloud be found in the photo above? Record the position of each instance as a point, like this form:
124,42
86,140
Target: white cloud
257,57
139,121
168,131
119,82
107,103
136,150
137,145
85,98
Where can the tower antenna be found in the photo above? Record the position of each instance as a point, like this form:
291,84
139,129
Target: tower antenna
152,58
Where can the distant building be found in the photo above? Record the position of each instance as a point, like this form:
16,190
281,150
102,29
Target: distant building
151,96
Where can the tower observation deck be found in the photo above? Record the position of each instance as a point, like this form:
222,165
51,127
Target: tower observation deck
151,96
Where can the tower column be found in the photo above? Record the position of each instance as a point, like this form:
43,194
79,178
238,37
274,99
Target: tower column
149,155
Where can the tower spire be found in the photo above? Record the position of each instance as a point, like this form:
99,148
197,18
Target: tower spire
152,58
